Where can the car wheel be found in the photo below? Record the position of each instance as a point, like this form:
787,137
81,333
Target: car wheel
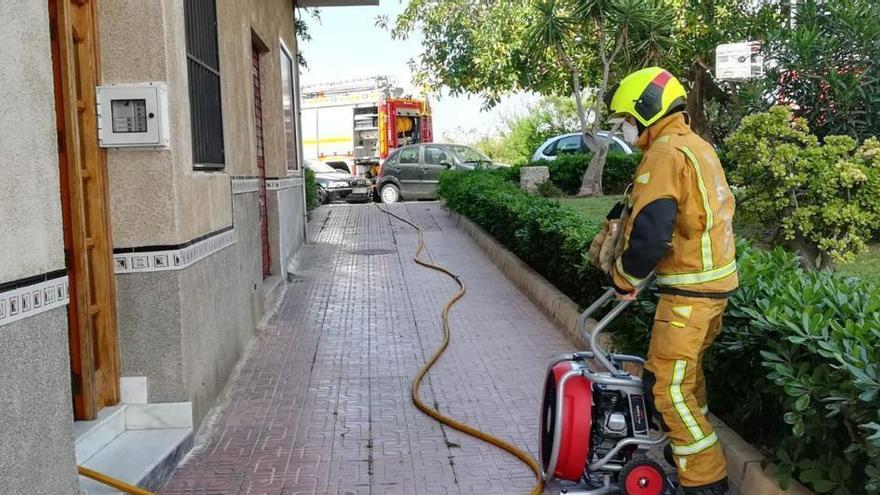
389,193
322,196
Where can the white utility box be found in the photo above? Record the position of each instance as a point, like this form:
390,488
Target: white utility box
739,61
133,116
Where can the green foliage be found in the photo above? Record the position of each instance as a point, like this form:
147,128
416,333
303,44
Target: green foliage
301,29
594,208
796,370
311,190
524,133
548,189
828,66
551,238
566,171
825,197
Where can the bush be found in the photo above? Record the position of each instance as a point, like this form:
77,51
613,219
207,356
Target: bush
311,190
548,189
795,370
566,171
825,198
551,238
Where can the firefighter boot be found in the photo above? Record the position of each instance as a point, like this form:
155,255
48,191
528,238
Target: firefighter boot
717,488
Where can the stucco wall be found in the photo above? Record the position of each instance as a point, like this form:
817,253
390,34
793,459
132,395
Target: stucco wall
285,226
185,329
30,199
217,324
156,196
36,430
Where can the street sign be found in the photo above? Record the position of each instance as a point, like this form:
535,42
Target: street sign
739,61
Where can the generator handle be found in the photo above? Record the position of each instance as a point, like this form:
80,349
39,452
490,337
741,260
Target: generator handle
600,354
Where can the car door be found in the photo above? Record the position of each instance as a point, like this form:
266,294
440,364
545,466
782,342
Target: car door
409,172
435,160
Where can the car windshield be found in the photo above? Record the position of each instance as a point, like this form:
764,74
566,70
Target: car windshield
470,155
320,167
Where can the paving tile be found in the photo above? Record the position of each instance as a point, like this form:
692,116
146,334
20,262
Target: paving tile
323,406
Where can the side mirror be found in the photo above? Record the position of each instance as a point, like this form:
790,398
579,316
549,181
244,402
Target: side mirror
446,164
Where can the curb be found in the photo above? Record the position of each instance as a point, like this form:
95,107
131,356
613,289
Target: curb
744,461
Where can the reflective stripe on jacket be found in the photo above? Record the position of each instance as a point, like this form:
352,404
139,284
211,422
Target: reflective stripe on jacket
681,223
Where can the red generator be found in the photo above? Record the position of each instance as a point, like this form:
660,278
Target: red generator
595,425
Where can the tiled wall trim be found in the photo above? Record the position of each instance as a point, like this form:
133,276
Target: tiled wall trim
241,185
278,183
172,259
32,298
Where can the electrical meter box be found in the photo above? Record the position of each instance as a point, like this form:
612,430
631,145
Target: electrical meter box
133,116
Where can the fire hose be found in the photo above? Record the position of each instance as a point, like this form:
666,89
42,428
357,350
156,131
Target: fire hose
109,481
417,381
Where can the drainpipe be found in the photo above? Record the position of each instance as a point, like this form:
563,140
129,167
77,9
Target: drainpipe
298,126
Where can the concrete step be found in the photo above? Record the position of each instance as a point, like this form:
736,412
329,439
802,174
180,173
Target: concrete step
139,457
139,444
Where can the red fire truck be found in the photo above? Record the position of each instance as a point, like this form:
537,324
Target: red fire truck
359,122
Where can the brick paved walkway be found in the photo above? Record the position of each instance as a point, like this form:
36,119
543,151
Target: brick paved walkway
322,406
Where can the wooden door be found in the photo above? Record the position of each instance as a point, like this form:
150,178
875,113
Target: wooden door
85,209
261,160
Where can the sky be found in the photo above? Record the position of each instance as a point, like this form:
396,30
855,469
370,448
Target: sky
346,44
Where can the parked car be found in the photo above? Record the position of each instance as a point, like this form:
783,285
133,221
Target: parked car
572,143
335,185
412,172
340,165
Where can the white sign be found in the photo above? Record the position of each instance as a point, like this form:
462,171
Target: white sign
739,61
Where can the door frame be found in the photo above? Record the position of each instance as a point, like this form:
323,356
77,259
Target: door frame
88,243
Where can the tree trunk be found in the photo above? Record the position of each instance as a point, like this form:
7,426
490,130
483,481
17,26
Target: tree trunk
695,104
808,253
591,183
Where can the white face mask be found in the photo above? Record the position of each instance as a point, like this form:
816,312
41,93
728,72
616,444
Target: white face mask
630,132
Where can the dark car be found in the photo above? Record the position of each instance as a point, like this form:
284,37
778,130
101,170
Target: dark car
335,185
412,172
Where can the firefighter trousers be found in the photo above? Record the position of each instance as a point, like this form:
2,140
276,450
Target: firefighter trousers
684,328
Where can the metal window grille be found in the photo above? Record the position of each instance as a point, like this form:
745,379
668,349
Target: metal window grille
203,66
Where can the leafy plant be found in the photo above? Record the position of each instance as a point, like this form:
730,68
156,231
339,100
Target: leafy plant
824,198
796,370
551,238
827,66
311,190
566,171
548,189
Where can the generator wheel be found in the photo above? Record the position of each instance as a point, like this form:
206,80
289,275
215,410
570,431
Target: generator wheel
642,476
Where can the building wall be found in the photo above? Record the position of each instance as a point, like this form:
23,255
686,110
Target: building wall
185,328
36,431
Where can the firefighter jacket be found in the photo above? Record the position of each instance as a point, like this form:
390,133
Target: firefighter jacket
681,220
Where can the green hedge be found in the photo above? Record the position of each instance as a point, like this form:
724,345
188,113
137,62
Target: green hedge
566,171
796,370
551,238
311,190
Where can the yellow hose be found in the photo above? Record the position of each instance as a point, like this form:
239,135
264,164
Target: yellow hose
115,483
417,382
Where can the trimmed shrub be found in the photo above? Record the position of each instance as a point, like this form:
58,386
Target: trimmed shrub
796,370
566,171
311,190
824,198
551,238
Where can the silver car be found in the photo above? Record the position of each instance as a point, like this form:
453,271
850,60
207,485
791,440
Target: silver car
572,143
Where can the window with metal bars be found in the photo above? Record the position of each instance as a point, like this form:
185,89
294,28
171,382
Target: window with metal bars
203,66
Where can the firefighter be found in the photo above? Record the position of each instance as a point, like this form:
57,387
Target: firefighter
680,227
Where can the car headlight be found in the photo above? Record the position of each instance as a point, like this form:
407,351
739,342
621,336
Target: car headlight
337,185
